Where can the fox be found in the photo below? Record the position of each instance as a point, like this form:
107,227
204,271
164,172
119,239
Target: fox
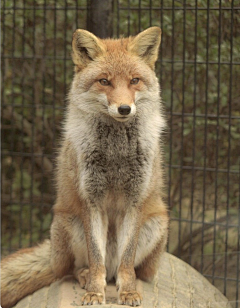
110,218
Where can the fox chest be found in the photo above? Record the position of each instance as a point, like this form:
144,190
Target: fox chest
114,160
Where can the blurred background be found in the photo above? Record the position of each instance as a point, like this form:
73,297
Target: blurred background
199,74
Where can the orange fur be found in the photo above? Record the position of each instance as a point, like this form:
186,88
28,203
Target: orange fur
110,219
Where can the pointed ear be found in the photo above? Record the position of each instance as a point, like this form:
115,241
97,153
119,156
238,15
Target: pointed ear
146,45
85,48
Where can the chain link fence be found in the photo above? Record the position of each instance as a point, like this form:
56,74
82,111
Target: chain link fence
199,73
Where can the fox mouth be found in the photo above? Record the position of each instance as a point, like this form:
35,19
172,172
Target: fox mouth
122,113
122,119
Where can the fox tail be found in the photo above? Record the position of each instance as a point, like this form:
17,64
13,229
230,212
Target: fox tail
24,272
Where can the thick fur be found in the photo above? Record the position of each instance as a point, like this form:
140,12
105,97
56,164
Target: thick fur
110,219
24,272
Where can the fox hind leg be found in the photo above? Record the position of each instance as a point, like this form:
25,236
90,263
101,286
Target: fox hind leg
82,275
62,259
148,268
151,244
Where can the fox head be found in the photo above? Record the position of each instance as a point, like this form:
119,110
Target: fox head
114,77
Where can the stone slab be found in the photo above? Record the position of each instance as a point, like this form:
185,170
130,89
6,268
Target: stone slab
176,285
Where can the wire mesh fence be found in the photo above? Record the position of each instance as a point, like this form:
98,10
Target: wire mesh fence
199,73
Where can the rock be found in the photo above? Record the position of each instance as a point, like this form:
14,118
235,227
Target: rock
176,285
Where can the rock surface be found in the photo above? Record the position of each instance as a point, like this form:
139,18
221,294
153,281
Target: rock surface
177,285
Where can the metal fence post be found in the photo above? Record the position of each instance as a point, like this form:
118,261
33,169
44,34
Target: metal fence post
100,17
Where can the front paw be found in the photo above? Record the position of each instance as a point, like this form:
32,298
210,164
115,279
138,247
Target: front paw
131,298
92,298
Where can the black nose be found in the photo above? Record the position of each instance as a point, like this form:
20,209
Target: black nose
124,109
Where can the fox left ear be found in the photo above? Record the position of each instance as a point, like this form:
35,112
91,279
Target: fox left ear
146,45
85,48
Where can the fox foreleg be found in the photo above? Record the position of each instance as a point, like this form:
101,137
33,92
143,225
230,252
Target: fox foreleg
95,228
128,231
142,237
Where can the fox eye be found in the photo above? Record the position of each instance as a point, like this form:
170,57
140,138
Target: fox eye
134,81
104,82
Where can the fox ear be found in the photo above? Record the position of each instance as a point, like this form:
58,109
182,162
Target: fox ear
85,48
146,45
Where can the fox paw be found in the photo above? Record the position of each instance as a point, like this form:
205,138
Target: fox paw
82,276
92,298
132,298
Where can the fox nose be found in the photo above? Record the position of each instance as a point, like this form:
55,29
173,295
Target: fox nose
124,109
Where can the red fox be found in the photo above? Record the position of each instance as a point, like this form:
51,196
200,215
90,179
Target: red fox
110,219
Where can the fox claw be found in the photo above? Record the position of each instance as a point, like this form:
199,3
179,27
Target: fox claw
92,298
130,298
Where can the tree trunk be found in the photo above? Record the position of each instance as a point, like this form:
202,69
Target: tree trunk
100,18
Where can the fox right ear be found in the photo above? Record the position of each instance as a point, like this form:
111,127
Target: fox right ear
85,48
146,45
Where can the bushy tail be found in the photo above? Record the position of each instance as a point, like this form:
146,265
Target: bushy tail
24,272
